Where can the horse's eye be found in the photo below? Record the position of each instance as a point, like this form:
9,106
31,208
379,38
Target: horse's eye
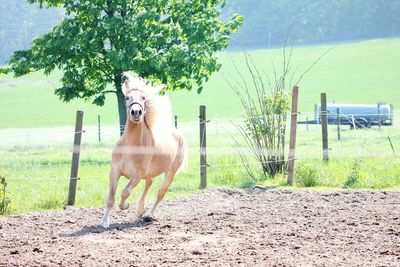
143,98
126,98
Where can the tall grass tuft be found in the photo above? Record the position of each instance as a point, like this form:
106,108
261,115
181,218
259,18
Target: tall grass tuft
354,177
306,175
4,199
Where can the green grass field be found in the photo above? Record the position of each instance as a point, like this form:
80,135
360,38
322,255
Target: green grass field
364,72
37,175
36,129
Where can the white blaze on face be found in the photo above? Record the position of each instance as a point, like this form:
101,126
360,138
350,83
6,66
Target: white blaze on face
137,91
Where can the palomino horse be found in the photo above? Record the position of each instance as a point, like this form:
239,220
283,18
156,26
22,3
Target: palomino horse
149,146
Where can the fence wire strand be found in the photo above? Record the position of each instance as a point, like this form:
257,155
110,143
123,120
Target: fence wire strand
217,123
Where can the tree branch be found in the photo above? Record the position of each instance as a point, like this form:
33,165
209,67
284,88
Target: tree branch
109,91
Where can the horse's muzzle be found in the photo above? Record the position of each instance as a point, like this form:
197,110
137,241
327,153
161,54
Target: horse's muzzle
136,112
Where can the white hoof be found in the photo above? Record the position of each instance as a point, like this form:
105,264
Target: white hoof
105,222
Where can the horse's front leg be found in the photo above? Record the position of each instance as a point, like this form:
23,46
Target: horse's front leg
134,180
115,174
140,207
169,176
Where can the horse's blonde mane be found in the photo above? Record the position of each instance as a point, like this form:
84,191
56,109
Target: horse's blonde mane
158,108
158,113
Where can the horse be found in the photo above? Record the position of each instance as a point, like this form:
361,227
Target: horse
149,146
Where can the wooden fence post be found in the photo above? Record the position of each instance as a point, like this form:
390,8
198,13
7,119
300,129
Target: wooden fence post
99,127
307,123
75,158
324,123
293,134
203,146
379,115
338,123
391,115
316,114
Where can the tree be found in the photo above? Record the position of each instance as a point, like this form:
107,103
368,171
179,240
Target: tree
168,41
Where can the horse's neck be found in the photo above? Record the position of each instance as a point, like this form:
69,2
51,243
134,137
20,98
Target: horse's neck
137,134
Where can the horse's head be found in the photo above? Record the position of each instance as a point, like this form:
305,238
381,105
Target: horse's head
137,93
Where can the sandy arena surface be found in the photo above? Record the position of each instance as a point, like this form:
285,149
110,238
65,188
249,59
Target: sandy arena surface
219,227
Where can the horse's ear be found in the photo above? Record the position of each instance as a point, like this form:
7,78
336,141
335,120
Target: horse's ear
125,88
158,88
125,84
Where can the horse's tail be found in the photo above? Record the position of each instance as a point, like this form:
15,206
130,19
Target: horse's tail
182,154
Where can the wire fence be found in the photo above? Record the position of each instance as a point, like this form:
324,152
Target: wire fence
26,150
37,161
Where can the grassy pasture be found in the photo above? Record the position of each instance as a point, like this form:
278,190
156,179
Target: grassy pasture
36,129
38,174
364,72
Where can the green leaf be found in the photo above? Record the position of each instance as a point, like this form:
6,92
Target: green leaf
199,89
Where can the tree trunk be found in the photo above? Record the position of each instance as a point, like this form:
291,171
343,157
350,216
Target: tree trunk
121,112
121,104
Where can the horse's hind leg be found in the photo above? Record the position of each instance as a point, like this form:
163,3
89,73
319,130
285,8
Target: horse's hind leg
140,208
113,183
169,176
127,191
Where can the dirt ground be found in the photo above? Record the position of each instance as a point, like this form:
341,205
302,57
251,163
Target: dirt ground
220,227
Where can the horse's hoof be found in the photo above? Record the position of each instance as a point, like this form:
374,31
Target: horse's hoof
124,206
105,223
140,212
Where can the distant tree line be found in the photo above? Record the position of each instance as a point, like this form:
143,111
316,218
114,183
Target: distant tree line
20,23
266,22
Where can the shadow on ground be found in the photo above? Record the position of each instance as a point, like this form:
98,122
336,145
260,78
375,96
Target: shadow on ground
96,229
